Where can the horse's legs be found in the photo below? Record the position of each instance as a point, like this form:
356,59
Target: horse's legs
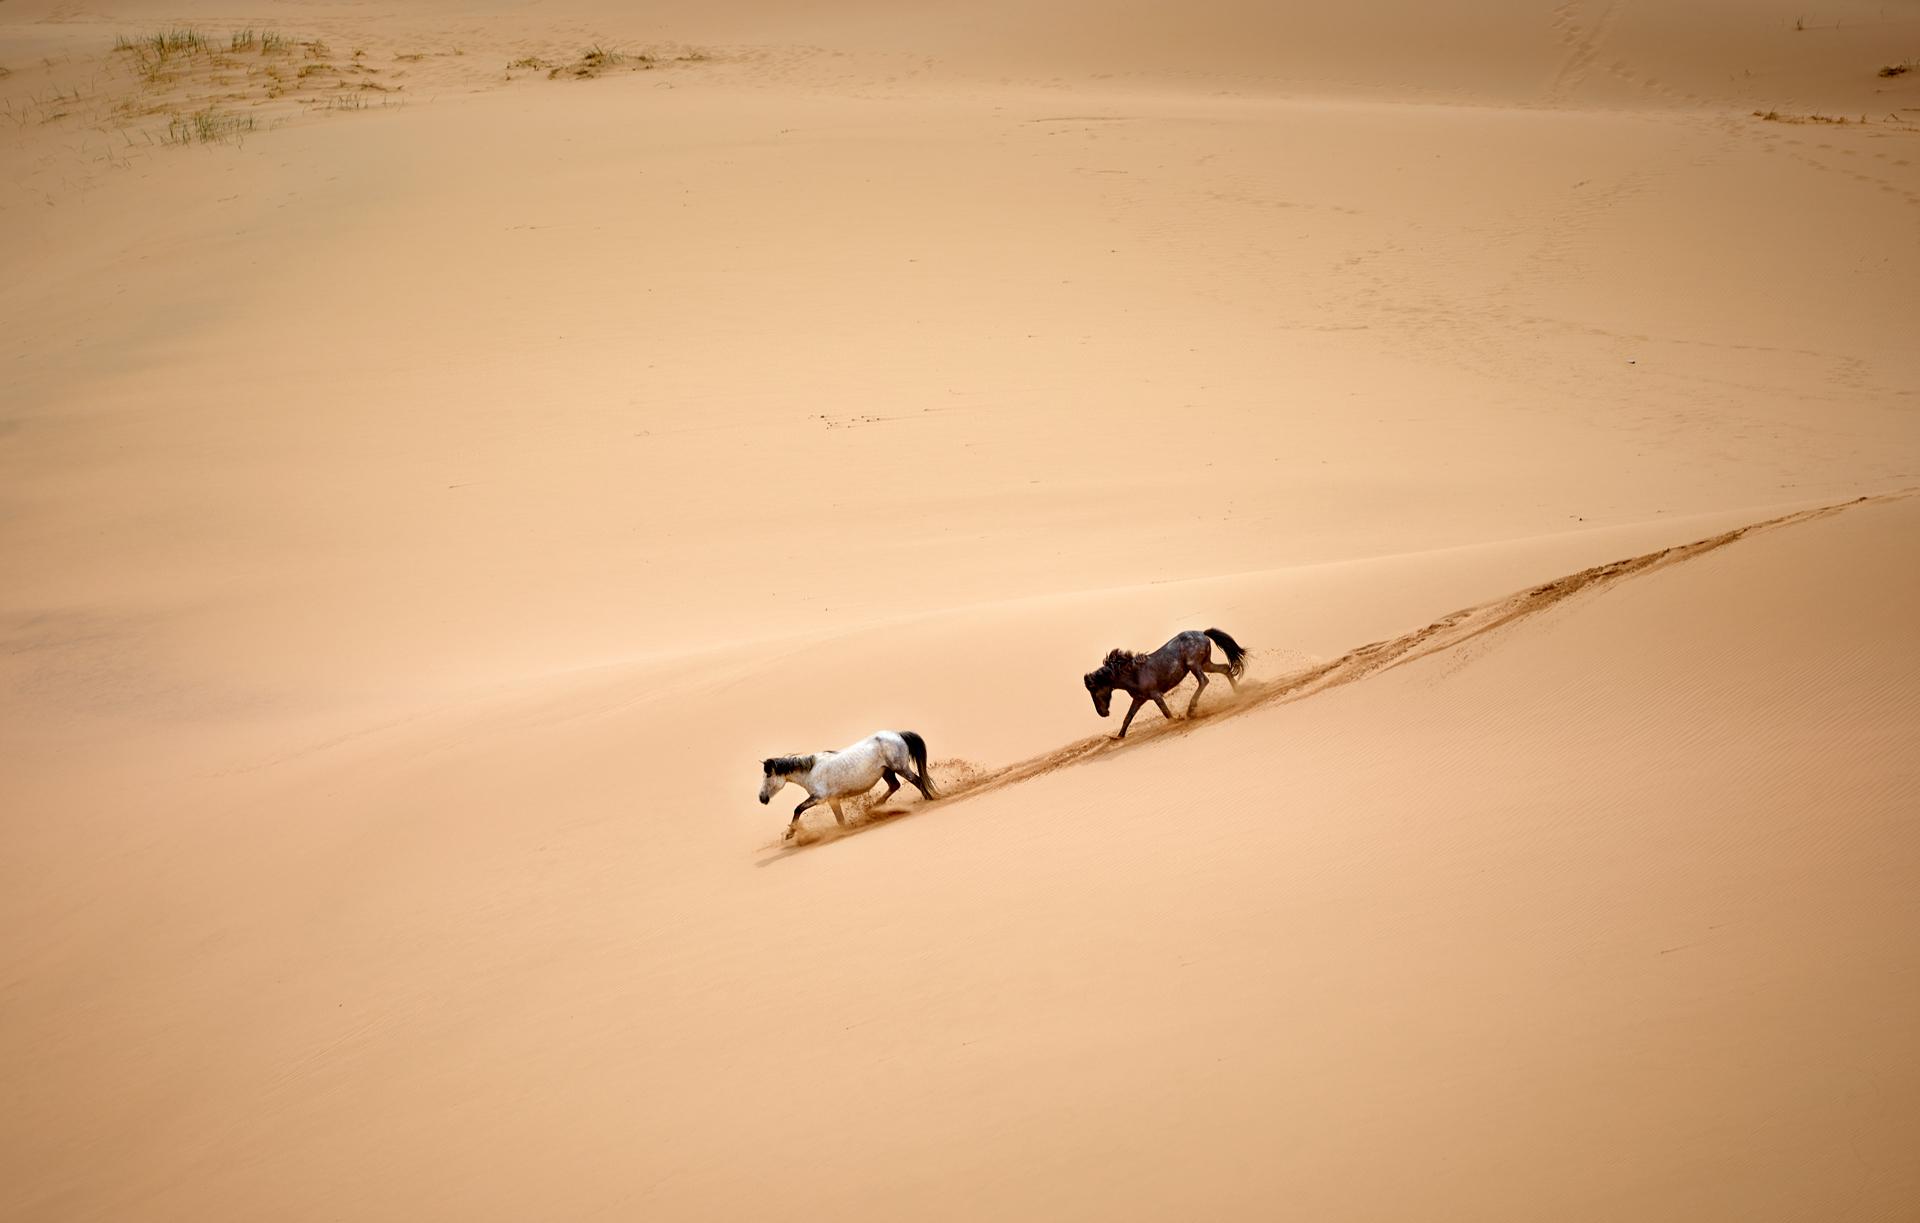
1128,720
839,816
903,769
1201,677
893,785
1164,711
799,811
1220,668
920,783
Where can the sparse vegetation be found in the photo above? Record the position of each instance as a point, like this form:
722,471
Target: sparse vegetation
162,55
156,55
1774,116
596,60
1900,69
201,86
592,62
164,43
208,126
181,85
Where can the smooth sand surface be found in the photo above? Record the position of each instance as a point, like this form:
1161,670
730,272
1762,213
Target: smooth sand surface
436,465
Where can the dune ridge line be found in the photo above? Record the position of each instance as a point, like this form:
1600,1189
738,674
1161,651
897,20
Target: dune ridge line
1449,631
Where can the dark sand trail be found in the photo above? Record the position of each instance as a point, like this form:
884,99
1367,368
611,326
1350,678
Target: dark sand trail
957,780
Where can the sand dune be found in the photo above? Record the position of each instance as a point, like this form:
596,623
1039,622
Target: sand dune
1451,632
1443,900
443,449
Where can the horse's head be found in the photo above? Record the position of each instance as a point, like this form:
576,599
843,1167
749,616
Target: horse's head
1100,688
779,771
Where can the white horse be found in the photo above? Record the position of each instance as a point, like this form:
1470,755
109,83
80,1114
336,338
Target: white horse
831,776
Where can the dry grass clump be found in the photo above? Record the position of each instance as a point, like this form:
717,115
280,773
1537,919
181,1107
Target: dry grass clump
166,55
1900,69
1774,116
208,126
197,82
164,43
598,60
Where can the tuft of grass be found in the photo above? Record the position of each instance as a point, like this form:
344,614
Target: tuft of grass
154,54
307,70
208,126
598,59
1774,116
315,49
1900,69
592,62
164,43
274,43
242,40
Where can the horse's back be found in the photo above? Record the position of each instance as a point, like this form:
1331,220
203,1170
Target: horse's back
885,745
1191,644
890,745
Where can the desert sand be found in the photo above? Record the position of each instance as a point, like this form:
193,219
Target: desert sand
444,447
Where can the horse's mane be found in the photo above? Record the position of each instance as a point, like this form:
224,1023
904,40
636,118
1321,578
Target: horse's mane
786,764
1113,666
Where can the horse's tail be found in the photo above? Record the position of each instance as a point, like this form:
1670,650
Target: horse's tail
917,748
1236,657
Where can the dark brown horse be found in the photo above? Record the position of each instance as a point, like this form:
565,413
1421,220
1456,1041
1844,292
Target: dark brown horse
1147,677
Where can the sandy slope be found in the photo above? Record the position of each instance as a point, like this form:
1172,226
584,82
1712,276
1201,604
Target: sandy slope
416,521
1608,910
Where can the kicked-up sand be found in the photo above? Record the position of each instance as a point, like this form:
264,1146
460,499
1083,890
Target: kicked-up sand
443,448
